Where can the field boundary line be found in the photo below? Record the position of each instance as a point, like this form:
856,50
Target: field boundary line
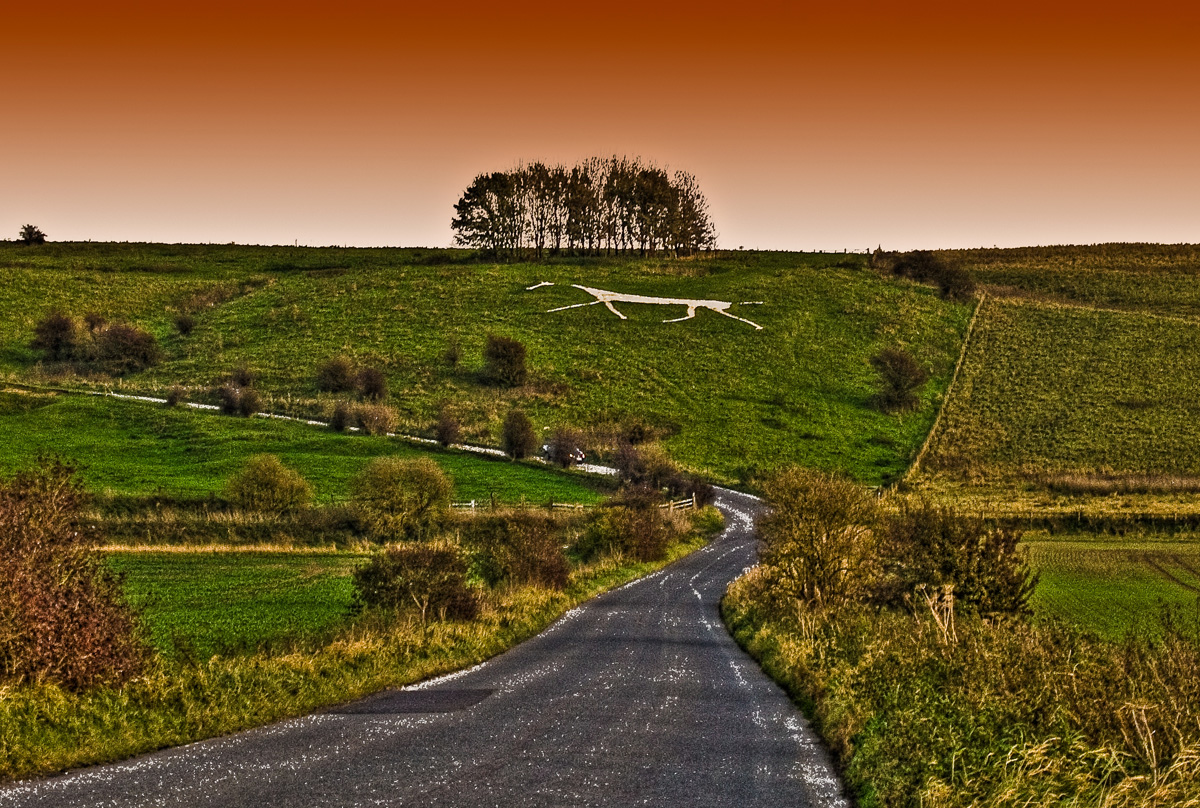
937,421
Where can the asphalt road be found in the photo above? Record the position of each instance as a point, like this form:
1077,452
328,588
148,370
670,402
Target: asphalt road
638,697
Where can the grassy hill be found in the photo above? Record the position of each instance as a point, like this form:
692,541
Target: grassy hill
1050,389
135,449
728,399
1075,413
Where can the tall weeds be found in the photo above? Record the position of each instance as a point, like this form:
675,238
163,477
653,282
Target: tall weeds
985,712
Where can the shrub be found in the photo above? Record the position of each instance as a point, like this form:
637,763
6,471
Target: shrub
341,416
30,235
646,465
920,265
517,435
504,361
184,323
428,578
242,376
923,545
372,384
375,419
176,395
124,348
956,283
924,266
336,375
265,484
901,378
816,536
56,334
565,443
229,398
650,466
62,617
403,499
446,429
630,525
94,321
248,402
518,547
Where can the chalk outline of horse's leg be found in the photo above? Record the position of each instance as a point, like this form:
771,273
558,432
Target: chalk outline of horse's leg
757,327
691,312
607,304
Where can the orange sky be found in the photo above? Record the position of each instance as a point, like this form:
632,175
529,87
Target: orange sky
809,125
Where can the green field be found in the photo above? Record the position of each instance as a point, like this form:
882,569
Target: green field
206,603
1048,389
130,448
1113,585
732,400
1160,278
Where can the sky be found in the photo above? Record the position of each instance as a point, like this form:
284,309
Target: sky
809,125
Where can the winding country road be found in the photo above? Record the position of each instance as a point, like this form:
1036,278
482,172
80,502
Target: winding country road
638,697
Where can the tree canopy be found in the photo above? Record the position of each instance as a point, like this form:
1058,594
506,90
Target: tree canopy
600,206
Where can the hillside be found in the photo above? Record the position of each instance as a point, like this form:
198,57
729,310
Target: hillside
726,398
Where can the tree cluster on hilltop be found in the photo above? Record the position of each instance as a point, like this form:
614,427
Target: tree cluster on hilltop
601,206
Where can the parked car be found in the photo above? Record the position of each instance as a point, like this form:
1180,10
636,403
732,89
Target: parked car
575,454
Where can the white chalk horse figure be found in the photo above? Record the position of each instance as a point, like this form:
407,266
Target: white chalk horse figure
609,298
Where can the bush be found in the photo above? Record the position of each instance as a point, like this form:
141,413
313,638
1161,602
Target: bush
94,321
242,376
229,398
176,395
372,384
336,375
62,616
185,323
520,548
56,334
341,416
923,545
30,235
901,378
565,443
265,484
631,525
816,537
504,361
248,402
956,284
650,466
403,499
517,435
647,465
375,419
124,348
446,429
924,266
428,578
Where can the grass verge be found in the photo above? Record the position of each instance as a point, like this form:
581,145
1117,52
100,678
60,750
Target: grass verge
987,713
